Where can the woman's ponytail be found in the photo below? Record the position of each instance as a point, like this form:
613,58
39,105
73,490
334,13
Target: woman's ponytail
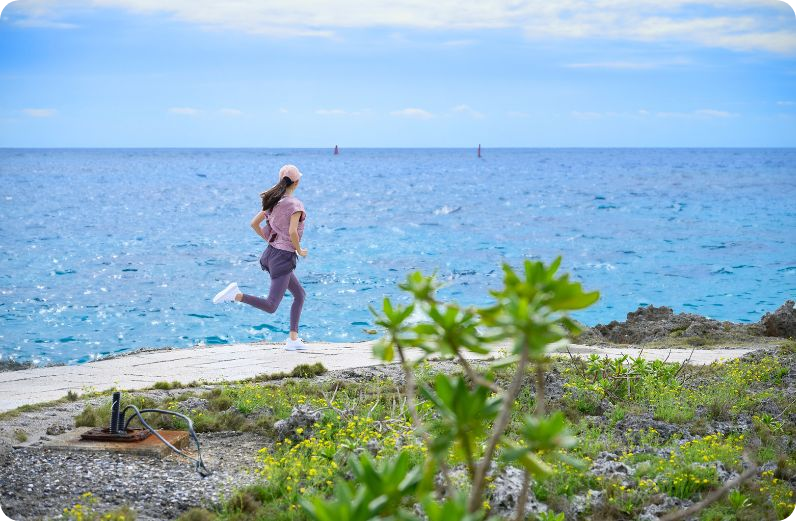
273,195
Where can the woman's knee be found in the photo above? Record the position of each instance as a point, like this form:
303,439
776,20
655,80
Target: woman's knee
299,293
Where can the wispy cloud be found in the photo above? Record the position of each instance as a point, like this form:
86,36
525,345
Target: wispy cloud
741,25
43,23
331,112
459,43
40,113
231,113
467,111
412,113
700,113
626,65
786,103
184,111
644,113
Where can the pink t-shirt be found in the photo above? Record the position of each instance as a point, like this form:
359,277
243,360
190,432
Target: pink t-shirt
279,221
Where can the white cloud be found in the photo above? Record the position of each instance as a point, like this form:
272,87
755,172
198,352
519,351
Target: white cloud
711,113
412,113
40,113
43,23
232,113
282,110
331,112
701,113
467,111
786,103
184,111
743,25
644,113
626,65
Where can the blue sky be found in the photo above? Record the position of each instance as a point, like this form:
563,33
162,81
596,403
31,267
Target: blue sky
302,73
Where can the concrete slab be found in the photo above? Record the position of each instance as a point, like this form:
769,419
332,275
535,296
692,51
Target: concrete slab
240,361
150,446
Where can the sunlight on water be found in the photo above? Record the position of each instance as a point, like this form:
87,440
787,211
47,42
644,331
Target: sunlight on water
105,251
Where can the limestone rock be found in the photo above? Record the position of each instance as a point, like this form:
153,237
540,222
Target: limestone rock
505,495
302,416
782,322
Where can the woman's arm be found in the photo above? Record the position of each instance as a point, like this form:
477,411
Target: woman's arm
258,219
294,236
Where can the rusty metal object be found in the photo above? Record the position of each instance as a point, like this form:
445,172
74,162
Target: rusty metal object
130,435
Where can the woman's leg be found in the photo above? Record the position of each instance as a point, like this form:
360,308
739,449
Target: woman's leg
294,286
275,294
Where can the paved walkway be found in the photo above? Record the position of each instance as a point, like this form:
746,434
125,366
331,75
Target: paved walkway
234,362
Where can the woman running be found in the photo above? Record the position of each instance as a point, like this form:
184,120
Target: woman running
284,215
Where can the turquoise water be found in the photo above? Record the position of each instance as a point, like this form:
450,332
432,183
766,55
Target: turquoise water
104,251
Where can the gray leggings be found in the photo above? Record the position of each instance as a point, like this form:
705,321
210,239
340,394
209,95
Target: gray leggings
289,282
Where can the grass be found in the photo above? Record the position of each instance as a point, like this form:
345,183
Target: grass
20,435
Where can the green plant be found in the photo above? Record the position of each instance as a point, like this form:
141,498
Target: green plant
197,514
72,396
308,370
165,386
738,500
471,413
20,435
550,516
86,511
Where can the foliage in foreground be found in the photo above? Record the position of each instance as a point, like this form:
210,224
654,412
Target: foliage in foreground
470,413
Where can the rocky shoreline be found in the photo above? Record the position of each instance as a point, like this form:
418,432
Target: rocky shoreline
651,324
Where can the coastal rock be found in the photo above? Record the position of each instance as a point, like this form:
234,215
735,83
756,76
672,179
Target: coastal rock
5,451
782,322
656,323
193,404
607,464
631,427
591,500
302,416
663,504
506,494
57,428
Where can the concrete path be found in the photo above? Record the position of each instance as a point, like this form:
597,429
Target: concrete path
236,362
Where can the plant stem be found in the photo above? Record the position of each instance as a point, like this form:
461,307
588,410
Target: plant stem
497,431
411,404
523,499
475,377
539,384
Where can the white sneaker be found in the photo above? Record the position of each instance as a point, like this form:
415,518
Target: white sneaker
294,345
227,294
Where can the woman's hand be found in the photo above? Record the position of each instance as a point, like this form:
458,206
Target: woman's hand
302,251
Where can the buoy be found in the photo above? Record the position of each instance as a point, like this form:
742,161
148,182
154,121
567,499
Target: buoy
336,150
479,150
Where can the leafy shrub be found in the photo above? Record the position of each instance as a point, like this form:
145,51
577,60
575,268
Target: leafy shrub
470,414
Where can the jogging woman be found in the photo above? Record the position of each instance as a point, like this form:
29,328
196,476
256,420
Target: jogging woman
284,215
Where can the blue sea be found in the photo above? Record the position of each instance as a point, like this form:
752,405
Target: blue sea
106,251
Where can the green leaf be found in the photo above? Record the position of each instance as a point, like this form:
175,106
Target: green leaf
384,350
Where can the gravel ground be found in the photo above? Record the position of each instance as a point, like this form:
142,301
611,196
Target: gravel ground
38,483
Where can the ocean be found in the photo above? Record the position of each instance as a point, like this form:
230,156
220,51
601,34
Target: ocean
105,251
